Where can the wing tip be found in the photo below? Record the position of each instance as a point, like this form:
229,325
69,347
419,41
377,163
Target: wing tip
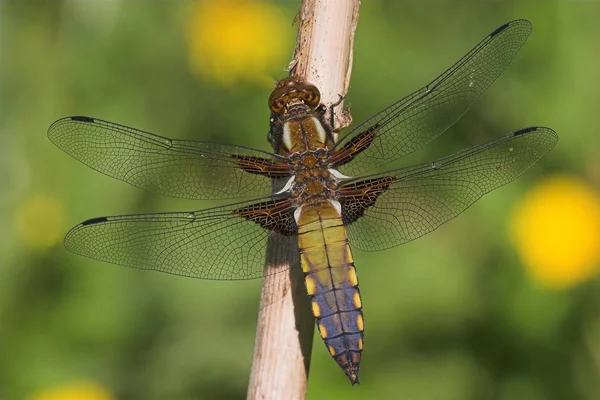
82,118
499,29
502,28
93,221
60,121
542,129
524,131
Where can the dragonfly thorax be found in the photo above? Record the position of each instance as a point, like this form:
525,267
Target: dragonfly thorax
312,178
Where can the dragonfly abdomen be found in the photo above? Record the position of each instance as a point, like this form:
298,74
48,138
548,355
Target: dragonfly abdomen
332,283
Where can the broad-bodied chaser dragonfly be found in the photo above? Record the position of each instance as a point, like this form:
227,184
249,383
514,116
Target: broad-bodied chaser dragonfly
329,196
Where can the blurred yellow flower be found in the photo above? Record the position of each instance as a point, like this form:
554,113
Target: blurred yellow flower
40,221
232,40
74,391
556,230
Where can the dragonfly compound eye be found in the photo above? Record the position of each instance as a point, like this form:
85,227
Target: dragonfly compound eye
290,91
312,97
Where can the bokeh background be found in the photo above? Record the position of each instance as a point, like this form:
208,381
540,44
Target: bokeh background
500,303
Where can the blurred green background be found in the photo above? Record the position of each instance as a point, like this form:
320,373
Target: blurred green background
463,313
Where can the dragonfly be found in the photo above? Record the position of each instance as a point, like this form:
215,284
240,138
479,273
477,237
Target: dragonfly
329,196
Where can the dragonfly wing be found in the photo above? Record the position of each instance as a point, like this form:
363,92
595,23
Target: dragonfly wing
180,168
392,208
225,242
423,115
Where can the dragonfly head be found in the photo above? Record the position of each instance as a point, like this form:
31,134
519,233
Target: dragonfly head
291,91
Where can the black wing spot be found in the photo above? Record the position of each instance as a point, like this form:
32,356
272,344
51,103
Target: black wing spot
94,221
83,119
499,29
524,131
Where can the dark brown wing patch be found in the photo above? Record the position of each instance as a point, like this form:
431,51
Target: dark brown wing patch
354,147
261,166
356,197
273,215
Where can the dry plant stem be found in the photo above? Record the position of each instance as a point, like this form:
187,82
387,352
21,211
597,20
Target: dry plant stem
324,49
285,328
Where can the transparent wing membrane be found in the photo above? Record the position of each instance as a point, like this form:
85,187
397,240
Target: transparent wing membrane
215,243
179,168
408,203
423,115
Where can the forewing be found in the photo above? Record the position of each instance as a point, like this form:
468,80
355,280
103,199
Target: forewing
399,206
425,114
180,168
215,243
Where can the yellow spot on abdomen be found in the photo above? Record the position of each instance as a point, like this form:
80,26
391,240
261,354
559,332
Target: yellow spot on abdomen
356,300
360,344
352,278
304,263
316,309
323,331
349,258
310,285
360,322
331,350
